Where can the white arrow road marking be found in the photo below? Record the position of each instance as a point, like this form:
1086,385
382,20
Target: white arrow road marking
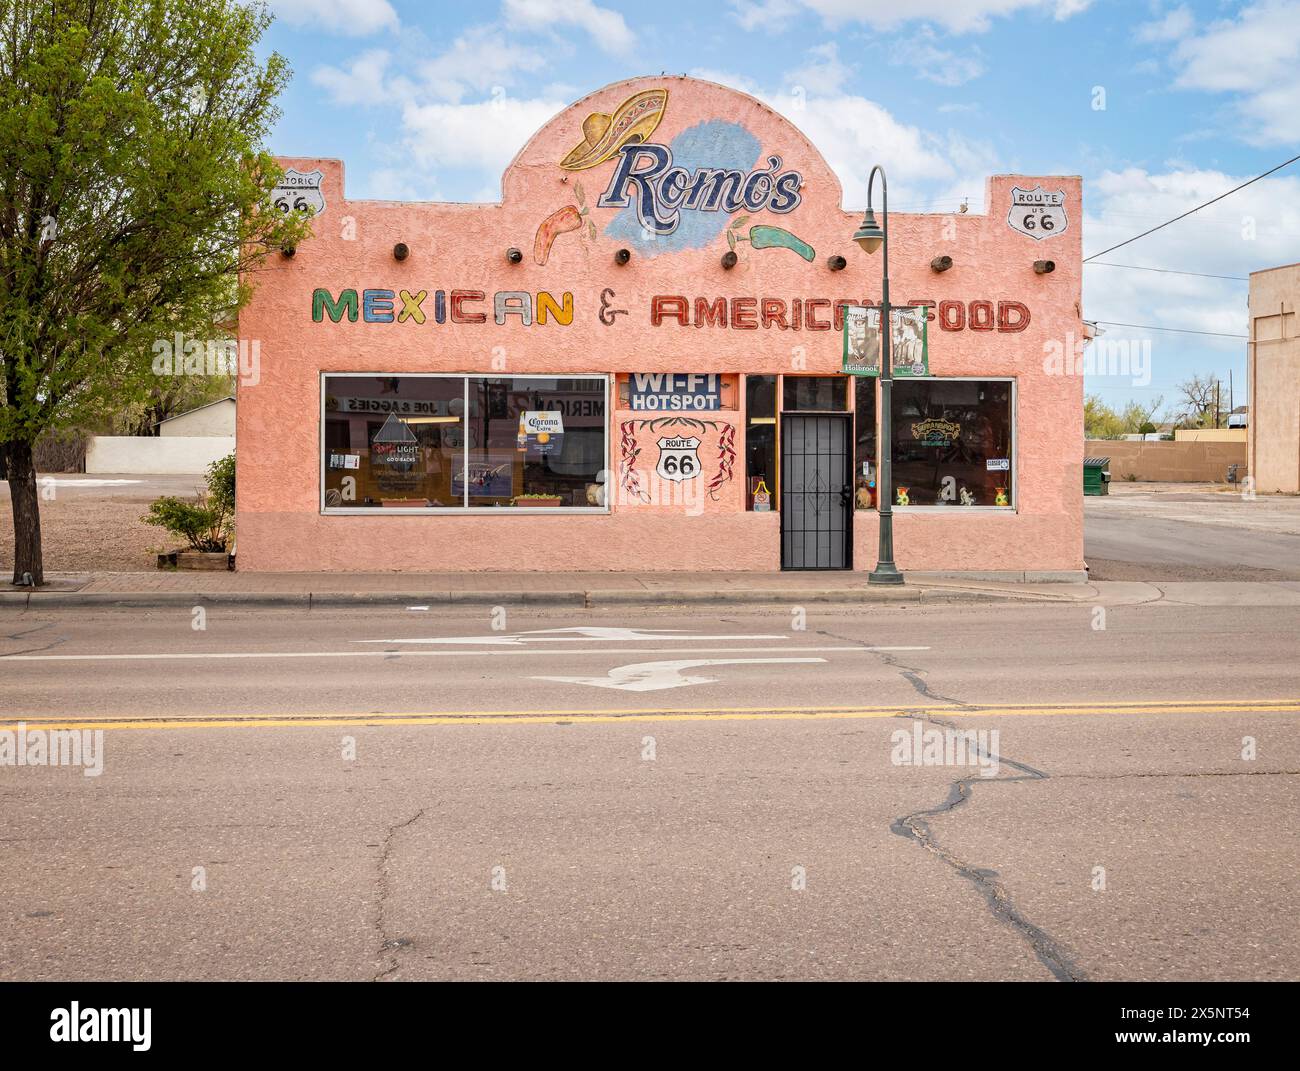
574,635
656,676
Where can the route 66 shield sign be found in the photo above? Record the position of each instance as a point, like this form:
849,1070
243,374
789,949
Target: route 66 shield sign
298,191
1038,213
679,458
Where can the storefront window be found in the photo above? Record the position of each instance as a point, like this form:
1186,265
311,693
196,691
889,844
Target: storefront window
953,442
455,442
864,455
815,394
760,443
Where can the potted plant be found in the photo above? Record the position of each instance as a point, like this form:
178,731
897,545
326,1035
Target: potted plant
206,523
536,500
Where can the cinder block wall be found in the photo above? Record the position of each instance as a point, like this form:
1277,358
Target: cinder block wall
1164,462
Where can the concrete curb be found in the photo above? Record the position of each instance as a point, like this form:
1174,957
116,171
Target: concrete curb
586,599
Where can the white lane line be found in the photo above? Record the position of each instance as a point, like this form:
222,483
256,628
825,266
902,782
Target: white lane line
520,641
657,676
496,653
576,634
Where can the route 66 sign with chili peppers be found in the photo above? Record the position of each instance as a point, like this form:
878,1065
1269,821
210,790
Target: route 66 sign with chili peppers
1038,213
679,458
298,190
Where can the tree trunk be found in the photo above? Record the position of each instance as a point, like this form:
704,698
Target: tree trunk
27,515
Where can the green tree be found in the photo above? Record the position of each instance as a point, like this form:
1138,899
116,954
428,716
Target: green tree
1100,421
134,200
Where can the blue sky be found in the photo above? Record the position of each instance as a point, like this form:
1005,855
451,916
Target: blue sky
1159,106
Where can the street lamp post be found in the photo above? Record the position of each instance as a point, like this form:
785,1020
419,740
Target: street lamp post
872,236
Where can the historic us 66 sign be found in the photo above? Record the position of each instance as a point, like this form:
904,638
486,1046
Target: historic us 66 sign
1037,212
679,458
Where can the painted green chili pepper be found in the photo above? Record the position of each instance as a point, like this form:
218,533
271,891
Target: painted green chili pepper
775,238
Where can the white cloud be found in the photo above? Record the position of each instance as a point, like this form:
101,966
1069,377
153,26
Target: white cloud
958,16
825,73
483,135
607,29
482,58
355,18
764,14
1176,25
929,171
1215,241
1255,55
364,82
939,65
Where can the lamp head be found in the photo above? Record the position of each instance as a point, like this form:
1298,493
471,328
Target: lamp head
869,235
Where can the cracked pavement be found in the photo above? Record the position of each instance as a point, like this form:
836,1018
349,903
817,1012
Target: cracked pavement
495,826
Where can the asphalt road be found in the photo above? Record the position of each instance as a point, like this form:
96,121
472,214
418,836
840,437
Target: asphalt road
1171,535
498,823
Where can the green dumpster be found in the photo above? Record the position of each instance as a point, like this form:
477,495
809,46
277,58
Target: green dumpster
1096,478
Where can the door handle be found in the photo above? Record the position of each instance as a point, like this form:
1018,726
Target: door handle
846,496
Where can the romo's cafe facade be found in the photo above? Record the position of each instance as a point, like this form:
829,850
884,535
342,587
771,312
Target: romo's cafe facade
635,362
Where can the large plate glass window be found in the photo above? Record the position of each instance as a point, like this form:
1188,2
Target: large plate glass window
954,442
458,442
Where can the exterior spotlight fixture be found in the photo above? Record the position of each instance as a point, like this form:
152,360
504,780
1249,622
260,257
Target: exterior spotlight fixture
941,263
836,263
401,251
1044,267
872,236
287,251
869,235
513,255
729,259
622,256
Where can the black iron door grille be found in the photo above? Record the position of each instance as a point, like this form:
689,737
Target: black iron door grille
816,491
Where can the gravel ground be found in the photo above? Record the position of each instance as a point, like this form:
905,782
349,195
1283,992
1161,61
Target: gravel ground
93,522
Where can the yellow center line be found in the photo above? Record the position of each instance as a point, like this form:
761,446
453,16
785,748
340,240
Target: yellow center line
539,717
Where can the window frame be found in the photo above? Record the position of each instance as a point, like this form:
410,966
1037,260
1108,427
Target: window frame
1014,508
463,510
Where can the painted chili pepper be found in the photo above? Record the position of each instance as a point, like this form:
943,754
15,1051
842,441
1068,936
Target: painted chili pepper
560,222
763,237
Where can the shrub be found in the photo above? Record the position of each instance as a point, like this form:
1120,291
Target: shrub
205,523
221,483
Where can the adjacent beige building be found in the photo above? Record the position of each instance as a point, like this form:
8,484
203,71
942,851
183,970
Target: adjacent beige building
1273,372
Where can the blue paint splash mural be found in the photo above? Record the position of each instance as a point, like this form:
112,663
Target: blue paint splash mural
714,143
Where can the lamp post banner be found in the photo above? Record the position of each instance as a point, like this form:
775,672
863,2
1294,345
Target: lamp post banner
861,340
909,346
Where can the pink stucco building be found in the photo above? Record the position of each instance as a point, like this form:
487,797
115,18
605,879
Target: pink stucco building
635,361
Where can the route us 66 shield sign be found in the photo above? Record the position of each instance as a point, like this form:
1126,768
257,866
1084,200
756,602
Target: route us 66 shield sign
298,191
679,458
1038,213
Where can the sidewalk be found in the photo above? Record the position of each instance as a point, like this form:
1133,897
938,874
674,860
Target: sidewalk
594,590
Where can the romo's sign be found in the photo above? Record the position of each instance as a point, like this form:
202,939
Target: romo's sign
660,189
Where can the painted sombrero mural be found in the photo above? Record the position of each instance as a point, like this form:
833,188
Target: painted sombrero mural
633,121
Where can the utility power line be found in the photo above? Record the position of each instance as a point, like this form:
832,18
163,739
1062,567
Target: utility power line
1285,163
1179,330
1169,271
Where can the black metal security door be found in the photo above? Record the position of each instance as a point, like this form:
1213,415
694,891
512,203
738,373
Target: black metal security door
816,491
